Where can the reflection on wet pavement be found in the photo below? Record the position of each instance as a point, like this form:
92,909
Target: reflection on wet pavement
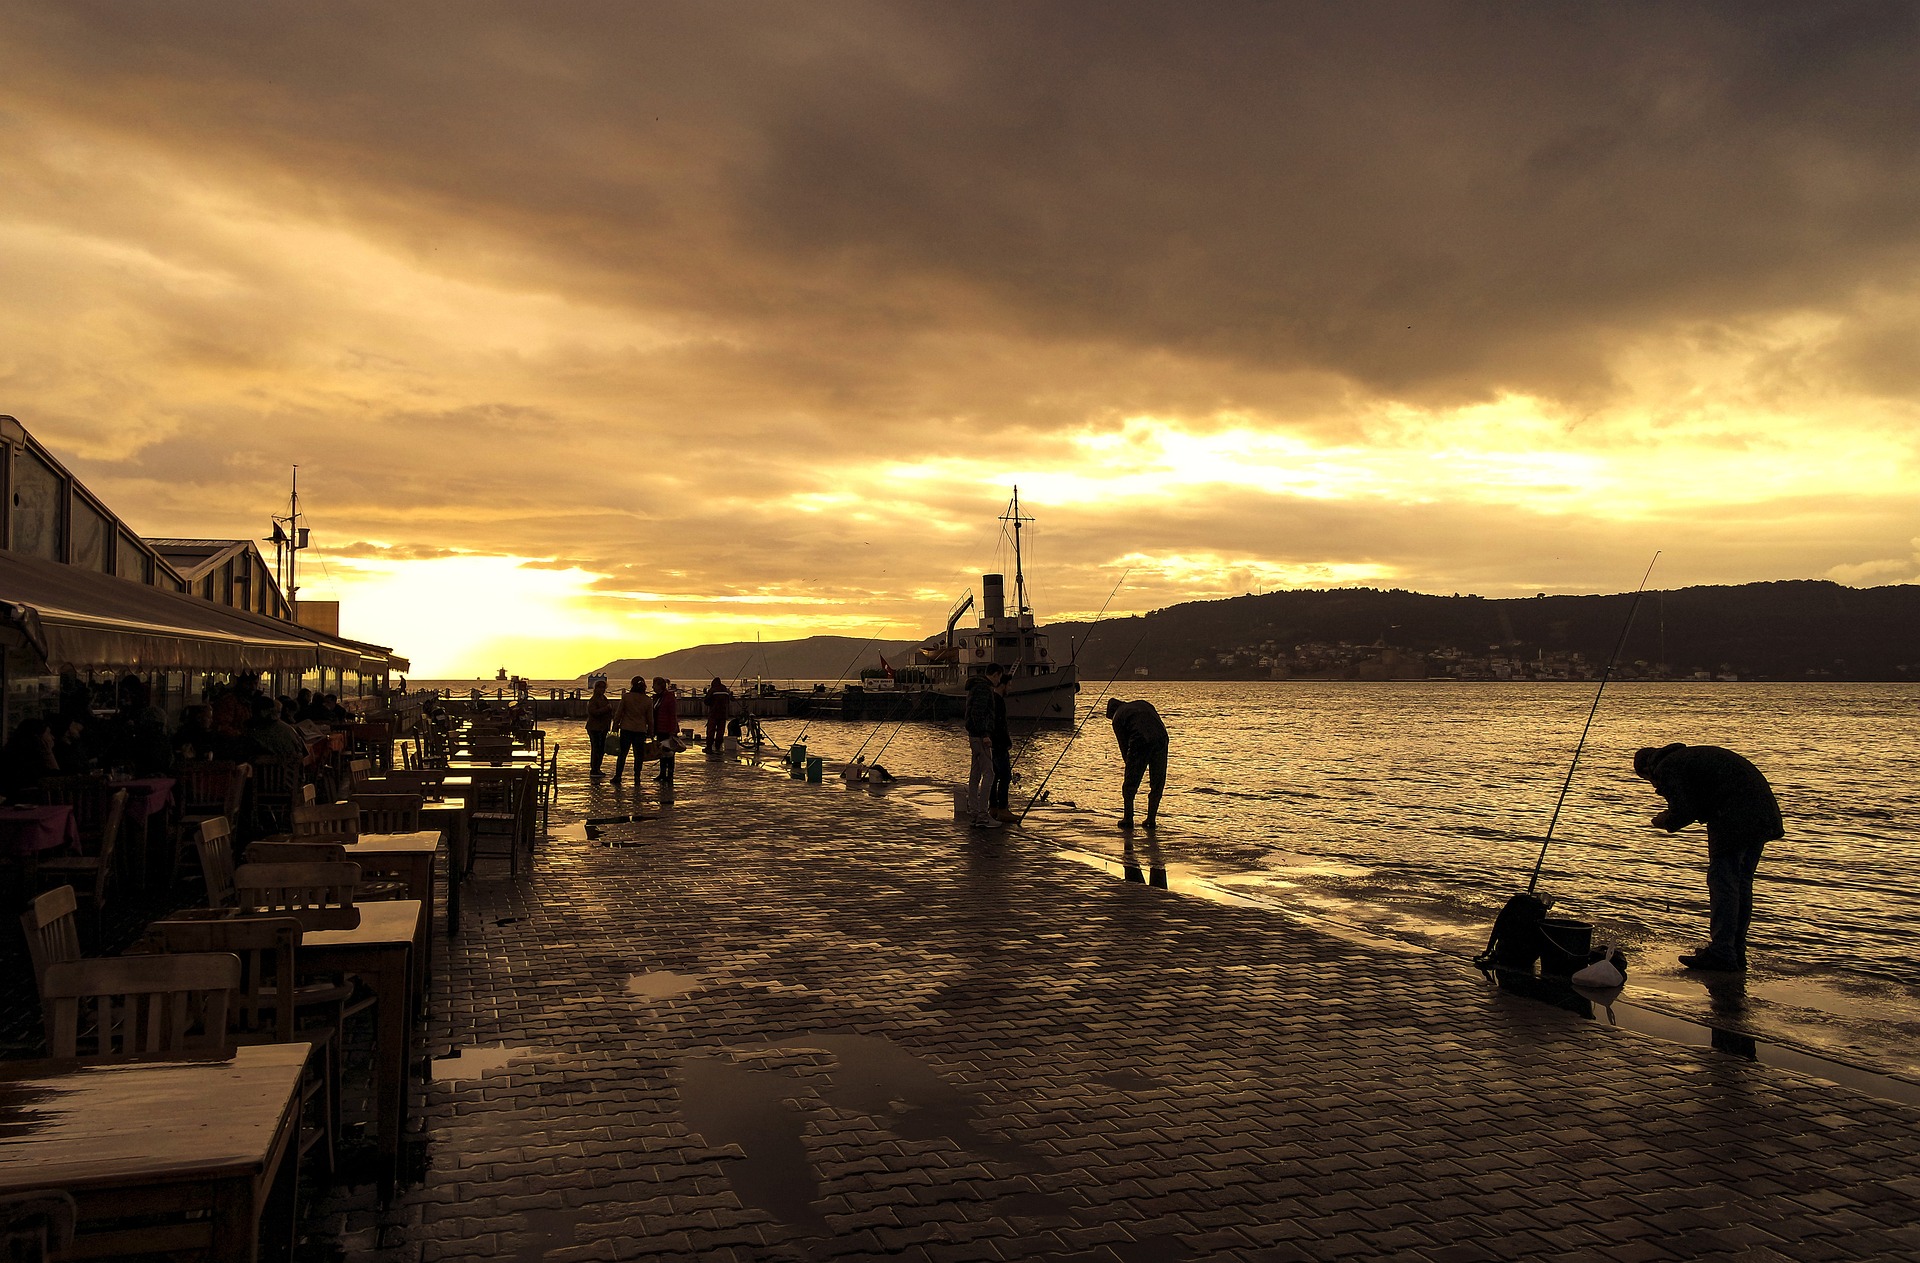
731,1104
664,984
471,1063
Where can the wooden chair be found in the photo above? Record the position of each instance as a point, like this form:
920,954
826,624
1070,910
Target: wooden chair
213,840
388,813
202,791
498,802
36,1226
319,896
308,796
549,783
52,927
359,771
338,822
141,1005
268,1005
295,851
277,783
89,874
89,796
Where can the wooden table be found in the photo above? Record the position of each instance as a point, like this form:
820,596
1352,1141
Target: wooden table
380,951
409,857
449,815
165,1137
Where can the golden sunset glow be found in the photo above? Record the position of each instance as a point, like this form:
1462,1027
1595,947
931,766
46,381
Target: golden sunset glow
598,333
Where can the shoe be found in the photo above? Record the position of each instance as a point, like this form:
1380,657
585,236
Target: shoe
986,822
1126,823
1710,961
1004,814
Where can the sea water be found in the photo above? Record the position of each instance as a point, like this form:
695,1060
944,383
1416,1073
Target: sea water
1413,809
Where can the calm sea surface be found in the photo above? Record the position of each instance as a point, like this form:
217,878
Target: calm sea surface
1414,809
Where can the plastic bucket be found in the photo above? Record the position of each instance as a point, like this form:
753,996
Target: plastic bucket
1565,945
817,769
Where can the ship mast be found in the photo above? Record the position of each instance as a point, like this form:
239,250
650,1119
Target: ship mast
1012,515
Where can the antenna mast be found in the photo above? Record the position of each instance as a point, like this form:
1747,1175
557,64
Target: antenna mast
289,538
1019,574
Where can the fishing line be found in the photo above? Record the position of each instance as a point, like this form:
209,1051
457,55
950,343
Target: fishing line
1605,675
1073,658
1091,712
843,675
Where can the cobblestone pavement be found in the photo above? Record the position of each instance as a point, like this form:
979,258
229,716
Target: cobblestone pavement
791,1022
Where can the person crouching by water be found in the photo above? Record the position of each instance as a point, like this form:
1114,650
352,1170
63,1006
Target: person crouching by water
634,718
1143,745
666,728
599,723
719,705
1731,797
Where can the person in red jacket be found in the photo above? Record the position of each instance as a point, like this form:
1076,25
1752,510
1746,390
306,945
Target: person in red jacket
666,727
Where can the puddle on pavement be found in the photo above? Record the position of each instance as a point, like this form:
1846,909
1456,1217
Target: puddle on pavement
472,1063
663,984
764,1111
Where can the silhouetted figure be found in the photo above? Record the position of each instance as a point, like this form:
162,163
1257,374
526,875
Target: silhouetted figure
666,728
1143,746
1002,740
1729,795
979,729
719,706
29,757
599,723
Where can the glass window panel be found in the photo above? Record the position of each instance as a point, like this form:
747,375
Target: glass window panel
90,536
37,527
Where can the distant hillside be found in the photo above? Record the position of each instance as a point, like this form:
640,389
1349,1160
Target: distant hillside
815,658
1793,630
1797,629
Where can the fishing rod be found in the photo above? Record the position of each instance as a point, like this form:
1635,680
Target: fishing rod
1091,712
1598,693
1073,657
843,675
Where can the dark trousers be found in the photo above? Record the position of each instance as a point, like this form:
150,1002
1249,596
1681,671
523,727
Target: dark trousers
597,742
1730,872
1142,759
629,739
1002,775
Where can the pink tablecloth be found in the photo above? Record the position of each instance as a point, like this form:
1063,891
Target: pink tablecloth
30,830
146,795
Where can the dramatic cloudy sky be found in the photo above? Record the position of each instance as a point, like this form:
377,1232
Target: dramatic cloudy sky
608,328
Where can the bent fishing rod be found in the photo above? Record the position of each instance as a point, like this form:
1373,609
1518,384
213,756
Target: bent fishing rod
843,675
1605,675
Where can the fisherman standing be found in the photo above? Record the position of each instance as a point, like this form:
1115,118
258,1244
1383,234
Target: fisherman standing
1143,745
1002,747
979,727
1731,797
719,703
634,718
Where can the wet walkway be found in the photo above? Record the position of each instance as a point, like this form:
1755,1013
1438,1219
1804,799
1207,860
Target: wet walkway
790,1022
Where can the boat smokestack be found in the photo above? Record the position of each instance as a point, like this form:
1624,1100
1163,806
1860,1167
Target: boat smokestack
993,595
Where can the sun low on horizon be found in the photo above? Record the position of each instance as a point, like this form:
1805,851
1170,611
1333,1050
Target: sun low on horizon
601,332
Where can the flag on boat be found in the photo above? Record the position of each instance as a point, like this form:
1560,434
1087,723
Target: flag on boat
885,667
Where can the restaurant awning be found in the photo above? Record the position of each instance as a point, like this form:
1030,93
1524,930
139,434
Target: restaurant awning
83,619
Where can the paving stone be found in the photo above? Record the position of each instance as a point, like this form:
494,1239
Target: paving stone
964,1048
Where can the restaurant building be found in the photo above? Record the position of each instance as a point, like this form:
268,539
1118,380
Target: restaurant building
86,601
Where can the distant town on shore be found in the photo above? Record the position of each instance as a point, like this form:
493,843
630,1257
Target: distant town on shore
1787,630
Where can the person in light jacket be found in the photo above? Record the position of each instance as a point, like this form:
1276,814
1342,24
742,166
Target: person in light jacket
634,718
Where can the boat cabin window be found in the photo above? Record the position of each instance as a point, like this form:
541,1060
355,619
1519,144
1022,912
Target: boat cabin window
1007,642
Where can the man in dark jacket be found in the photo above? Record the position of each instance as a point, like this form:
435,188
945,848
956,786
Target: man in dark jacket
979,721
1729,795
1143,744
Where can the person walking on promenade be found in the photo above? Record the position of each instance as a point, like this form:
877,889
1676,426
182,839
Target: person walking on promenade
979,728
634,718
1143,745
1002,747
719,705
666,728
1731,797
599,723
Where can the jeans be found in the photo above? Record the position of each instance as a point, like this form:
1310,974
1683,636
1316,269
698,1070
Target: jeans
597,742
1730,872
1140,760
1002,773
629,739
980,773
